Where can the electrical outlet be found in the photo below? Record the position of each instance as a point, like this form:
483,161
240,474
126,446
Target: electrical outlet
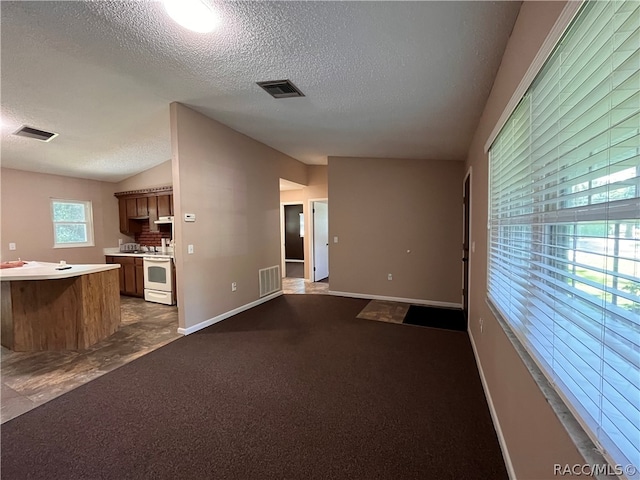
12,246
234,286
390,277
189,249
481,324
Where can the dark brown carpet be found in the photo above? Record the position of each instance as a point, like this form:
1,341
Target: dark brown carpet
297,388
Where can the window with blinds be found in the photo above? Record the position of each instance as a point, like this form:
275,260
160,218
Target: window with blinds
564,213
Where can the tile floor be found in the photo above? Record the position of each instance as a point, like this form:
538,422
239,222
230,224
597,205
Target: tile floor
300,285
30,379
385,311
379,310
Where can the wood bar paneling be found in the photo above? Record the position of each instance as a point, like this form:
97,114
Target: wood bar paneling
64,314
6,315
45,314
100,314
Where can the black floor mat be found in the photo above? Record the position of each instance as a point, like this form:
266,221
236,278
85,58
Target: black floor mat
448,318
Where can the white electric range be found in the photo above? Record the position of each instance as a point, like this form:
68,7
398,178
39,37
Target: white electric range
158,278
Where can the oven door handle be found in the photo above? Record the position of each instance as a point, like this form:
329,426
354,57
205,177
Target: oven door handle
157,260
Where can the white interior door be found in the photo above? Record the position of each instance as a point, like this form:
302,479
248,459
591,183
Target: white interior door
320,241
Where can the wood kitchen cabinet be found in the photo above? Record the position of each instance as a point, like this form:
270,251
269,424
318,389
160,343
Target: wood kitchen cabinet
132,207
165,205
139,263
140,207
128,210
124,219
131,275
152,203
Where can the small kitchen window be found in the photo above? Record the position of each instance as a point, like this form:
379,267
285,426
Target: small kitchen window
72,223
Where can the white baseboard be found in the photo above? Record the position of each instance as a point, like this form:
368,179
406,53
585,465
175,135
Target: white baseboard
494,415
230,313
417,301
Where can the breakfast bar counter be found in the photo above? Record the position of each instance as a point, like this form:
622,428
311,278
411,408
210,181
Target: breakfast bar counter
48,306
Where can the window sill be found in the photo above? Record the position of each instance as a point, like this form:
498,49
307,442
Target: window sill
583,442
74,245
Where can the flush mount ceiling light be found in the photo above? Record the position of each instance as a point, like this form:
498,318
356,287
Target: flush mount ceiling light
195,15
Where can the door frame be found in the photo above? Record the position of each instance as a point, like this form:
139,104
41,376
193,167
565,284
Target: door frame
283,263
312,235
467,265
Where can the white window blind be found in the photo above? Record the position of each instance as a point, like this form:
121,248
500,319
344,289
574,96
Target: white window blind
564,247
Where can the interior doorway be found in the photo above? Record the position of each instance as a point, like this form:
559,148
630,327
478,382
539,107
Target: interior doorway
320,240
313,225
466,239
294,242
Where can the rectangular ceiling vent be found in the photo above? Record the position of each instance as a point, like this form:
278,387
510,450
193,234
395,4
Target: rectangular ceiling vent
30,132
281,89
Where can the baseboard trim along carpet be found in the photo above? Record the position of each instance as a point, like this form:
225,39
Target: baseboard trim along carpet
494,416
230,313
417,301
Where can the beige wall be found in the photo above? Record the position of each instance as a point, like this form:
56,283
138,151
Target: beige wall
534,436
379,209
316,189
231,183
158,176
26,216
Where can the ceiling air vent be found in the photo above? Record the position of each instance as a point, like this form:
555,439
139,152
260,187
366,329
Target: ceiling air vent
281,89
31,132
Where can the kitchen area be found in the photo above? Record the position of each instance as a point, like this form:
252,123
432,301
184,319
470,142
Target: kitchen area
133,225
147,269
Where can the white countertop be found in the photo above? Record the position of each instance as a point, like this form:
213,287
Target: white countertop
47,271
140,255
115,252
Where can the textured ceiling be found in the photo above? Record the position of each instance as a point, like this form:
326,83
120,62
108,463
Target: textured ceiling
382,79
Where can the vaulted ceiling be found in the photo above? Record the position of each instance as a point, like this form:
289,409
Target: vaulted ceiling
381,79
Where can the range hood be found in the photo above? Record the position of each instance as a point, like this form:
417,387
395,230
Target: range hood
163,220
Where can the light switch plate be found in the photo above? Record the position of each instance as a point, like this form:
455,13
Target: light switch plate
189,249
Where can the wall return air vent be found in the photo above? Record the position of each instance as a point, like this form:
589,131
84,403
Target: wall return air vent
281,89
30,132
